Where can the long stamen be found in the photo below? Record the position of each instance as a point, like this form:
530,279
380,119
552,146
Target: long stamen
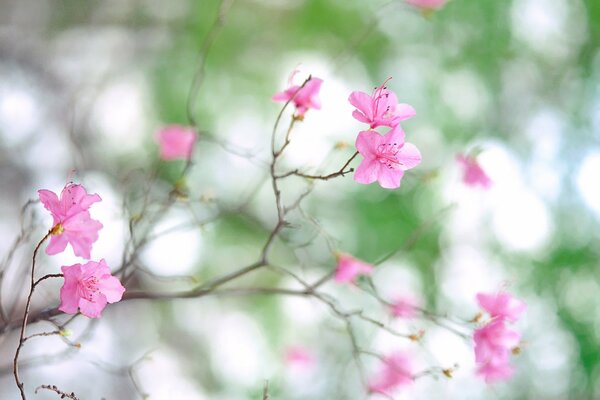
377,95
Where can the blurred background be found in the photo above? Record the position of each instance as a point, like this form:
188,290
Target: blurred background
84,86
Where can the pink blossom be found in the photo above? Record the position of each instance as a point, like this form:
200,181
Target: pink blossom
473,174
428,4
349,268
494,343
89,287
297,356
396,372
404,307
303,98
385,157
176,142
72,221
381,108
501,305
495,370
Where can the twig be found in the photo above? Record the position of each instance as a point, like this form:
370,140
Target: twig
32,286
53,388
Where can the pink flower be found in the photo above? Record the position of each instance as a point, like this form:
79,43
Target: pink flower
72,221
385,157
427,4
303,98
473,174
89,287
176,142
404,307
380,109
494,343
396,371
349,268
297,356
501,305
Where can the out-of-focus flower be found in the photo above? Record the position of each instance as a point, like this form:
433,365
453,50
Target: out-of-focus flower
349,268
427,4
385,157
494,343
72,222
473,174
381,108
176,142
303,97
404,307
298,356
501,305
396,372
89,287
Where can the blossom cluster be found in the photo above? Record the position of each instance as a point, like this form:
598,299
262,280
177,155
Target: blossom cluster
495,341
90,286
386,156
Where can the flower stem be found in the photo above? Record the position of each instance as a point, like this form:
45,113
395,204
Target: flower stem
32,286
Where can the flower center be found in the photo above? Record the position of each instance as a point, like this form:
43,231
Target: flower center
57,229
87,288
387,154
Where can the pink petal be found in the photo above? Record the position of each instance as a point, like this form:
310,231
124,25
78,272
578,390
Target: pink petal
367,171
282,96
50,202
367,142
389,178
501,305
82,231
405,111
427,4
394,136
360,116
409,156
69,298
364,103
111,288
92,309
74,198
57,244
176,142
348,268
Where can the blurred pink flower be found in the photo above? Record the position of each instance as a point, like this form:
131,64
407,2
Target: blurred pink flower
349,268
501,305
495,370
428,4
473,174
298,356
176,142
89,287
494,343
396,372
303,98
381,108
404,307
72,221
385,157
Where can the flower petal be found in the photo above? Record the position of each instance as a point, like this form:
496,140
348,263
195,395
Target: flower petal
367,171
364,103
57,244
69,298
409,156
92,309
405,111
111,288
389,178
